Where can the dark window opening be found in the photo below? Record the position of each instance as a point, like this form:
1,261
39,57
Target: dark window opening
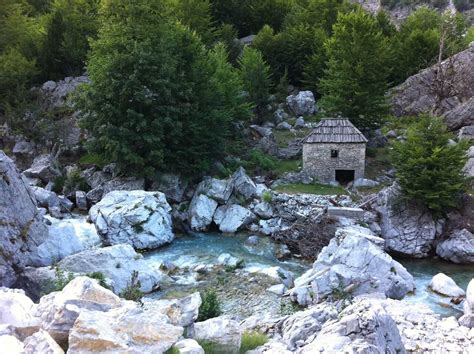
334,153
344,176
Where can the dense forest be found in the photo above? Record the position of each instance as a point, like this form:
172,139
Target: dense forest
169,78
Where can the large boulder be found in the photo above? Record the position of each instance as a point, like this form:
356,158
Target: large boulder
217,189
302,104
458,248
188,346
126,329
59,310
235,218
181,312
364,327
173,186
444,285
223,331
138,218
467,319
117,263
22,227
354,262
45,168
243,184
17,310
200,212
408,228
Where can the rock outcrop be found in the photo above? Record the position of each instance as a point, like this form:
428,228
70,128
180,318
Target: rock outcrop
458,248
21,226
418,93
302,103
116,263
353,263
408,228
138,218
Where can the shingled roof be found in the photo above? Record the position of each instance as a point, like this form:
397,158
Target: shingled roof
336,130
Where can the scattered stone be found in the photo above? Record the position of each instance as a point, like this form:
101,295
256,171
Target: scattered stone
280,115
225,259
81,200
278,289
264,210
138,218
354,213
43,167
365,183
444,285
283,126
299,123
188,346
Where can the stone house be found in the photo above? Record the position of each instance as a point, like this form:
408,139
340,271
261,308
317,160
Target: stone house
334,151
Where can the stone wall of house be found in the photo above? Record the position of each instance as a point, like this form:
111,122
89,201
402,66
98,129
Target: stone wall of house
318,161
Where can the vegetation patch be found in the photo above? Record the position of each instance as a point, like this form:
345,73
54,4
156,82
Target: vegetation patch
210,306
132,291
252,340
320,189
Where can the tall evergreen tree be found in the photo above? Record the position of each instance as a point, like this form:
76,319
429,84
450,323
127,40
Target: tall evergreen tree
429,169
255,74
354,82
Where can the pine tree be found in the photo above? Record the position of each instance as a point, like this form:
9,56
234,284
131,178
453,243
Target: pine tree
255,74
354,82
429,169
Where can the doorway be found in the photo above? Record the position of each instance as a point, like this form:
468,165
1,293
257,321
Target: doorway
344,176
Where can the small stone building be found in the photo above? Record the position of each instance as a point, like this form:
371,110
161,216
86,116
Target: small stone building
335,151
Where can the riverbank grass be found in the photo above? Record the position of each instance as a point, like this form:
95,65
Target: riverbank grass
315,188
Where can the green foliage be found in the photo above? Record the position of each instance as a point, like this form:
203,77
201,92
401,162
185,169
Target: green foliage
469,36
69,28
252,340
210,306
156,98
74,182
99,276
227,34
354,83
429,169
289,308
267,197
132,291
62,279
255,75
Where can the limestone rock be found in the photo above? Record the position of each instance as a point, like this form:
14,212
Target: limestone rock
59,310
42,342
188,346
444,285
173,186
126,329
299,123
17,310
181,312
407,228
458,248
364,327
21,225
355,260
117,263
201,211
243,184
226,259
467,320
283,126
81,200
221,330
264,210
11,344
217,189
43,167
138,218
302,104
235,218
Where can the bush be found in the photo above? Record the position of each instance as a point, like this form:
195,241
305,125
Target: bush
252,340
61,280
429,168
132,291
267,197
100,277
210,306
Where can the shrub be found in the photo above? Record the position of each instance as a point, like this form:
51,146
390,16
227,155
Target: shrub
132,291
61,280
252,340
429,168
210,306
267,197
100,277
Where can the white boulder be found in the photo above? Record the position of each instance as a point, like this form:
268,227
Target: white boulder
221,330
467,320
302,104
138,218
201,210
217,189
181,312
444,285
17,310
235,218
188,346
243,184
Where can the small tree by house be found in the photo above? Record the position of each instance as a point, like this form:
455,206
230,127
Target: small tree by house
429,169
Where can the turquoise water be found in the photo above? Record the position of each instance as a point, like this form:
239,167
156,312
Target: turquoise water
423,270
